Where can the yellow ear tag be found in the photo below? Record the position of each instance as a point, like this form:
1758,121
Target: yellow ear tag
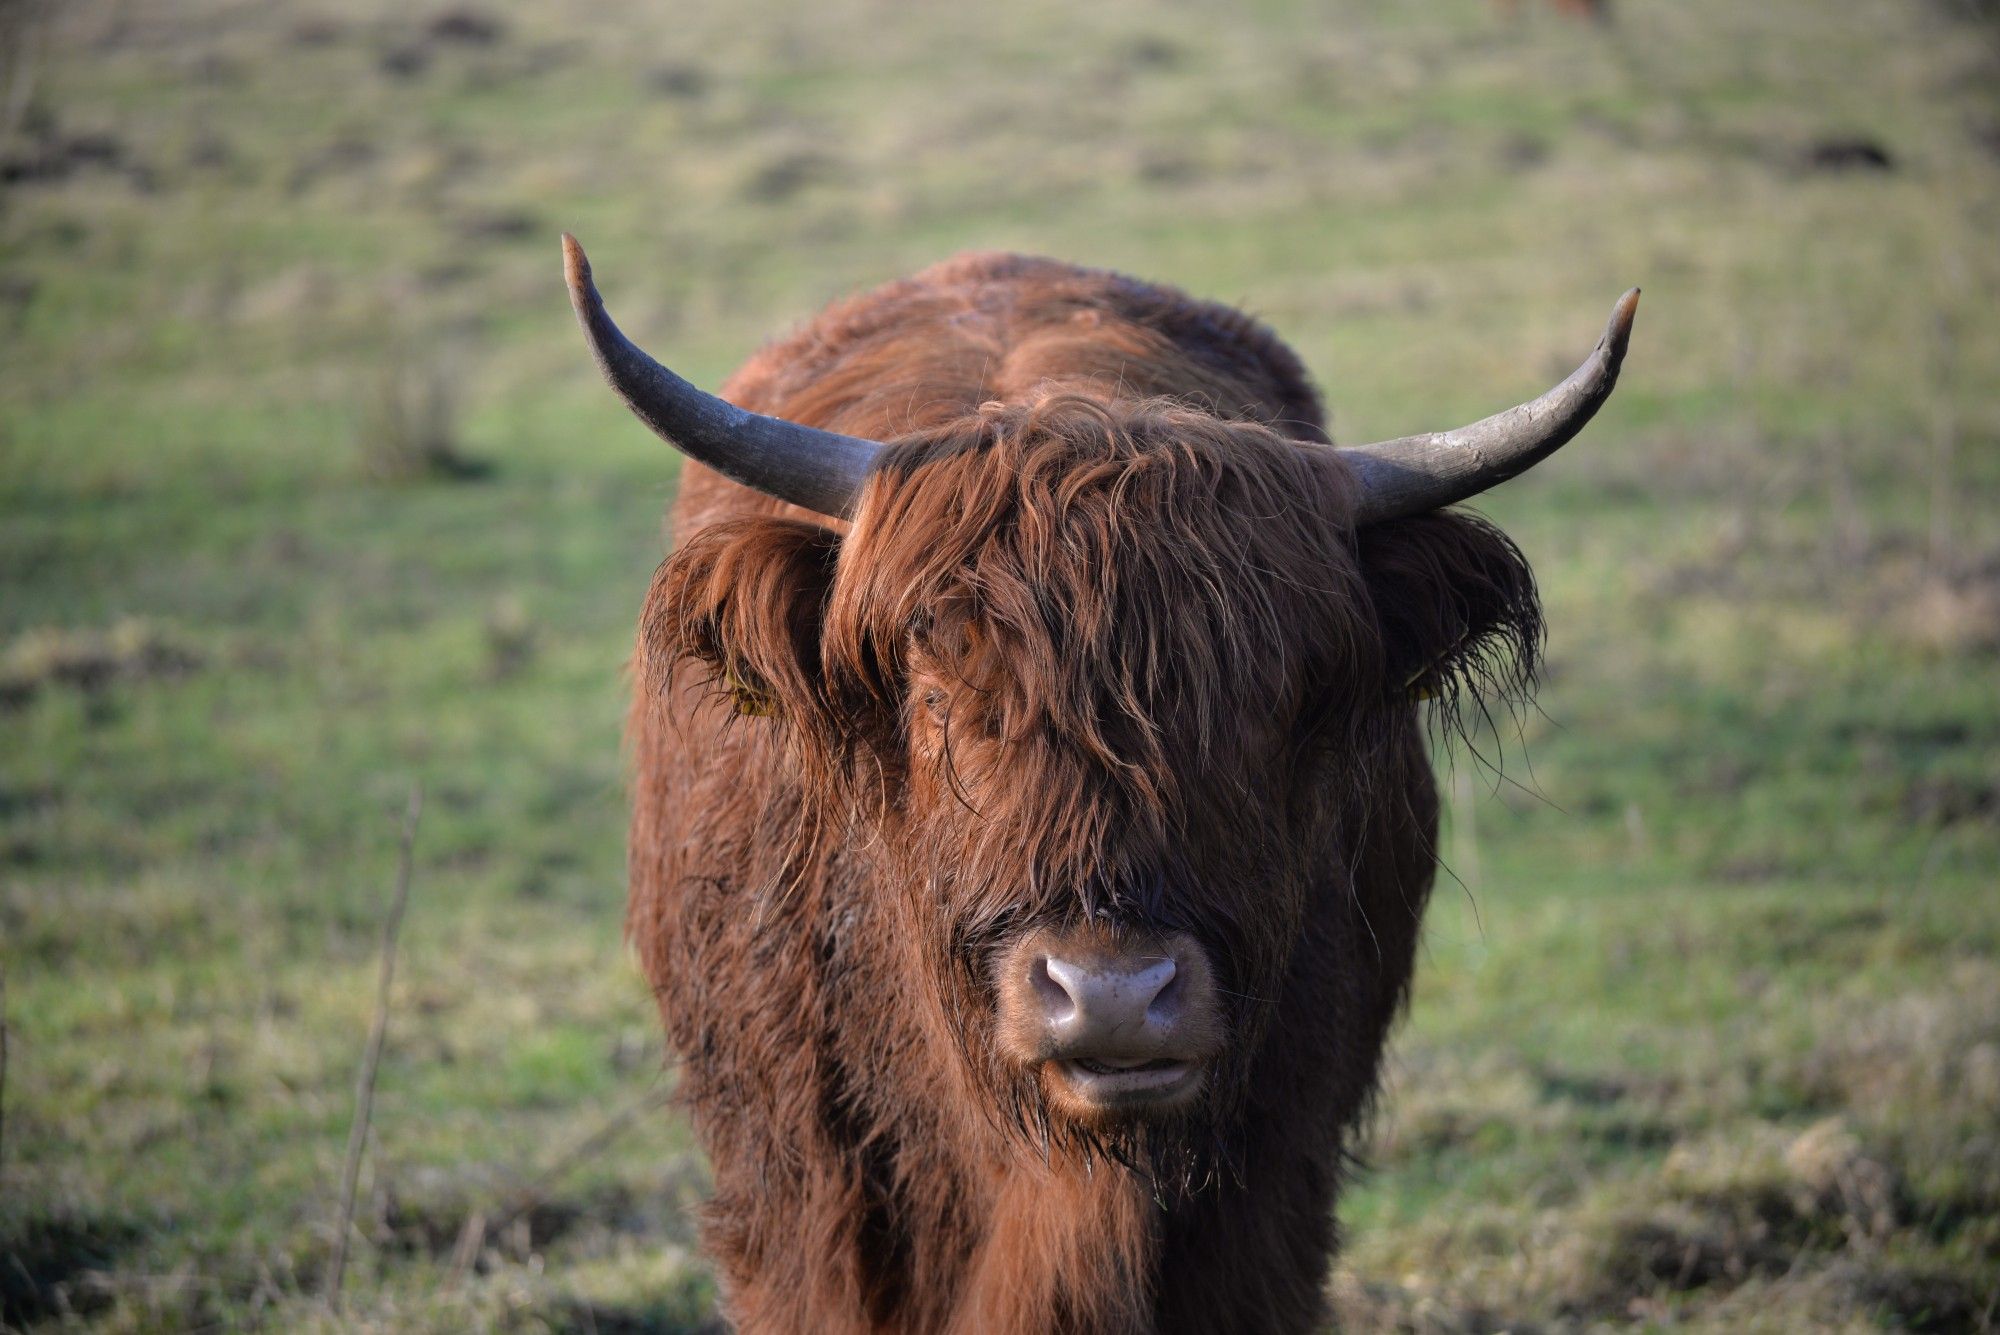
748,700
1421,690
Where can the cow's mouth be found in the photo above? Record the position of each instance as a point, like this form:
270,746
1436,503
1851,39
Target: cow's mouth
1119,1066
1113,1084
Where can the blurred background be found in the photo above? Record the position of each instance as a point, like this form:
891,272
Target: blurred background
309,493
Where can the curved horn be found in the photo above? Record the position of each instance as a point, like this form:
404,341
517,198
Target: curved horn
1418,473
820,470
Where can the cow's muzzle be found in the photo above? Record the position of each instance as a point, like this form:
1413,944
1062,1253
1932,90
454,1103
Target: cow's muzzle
1115,1025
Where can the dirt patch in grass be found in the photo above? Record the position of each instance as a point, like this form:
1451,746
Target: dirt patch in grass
50,154
1818,1208
47,1265
1842,153
92,661
1680,1251
465,27
1920,1299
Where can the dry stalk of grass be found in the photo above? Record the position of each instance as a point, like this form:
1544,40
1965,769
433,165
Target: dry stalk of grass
364,1086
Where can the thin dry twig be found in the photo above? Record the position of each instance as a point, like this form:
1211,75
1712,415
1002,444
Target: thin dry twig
364,1086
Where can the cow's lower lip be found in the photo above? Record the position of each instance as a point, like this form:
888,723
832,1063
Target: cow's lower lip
1116,1084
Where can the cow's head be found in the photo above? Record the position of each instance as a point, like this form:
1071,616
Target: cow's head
1113,693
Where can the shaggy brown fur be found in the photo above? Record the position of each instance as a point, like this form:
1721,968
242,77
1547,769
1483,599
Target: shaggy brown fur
1101,645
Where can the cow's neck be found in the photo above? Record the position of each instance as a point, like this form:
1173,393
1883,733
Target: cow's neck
1064,1247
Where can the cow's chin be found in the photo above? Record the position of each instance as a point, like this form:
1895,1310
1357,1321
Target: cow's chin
1107,1095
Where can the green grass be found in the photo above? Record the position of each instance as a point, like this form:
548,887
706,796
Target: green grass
1707,1030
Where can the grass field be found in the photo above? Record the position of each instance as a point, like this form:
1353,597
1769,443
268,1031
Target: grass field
309,493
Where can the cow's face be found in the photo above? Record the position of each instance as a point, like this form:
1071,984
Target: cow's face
1109,691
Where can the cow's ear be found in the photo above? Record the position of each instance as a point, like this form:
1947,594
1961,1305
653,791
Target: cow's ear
743,603
1456,604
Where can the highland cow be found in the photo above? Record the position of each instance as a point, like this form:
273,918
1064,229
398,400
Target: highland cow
1032,811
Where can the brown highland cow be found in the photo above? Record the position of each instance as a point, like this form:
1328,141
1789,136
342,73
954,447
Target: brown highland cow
1032,813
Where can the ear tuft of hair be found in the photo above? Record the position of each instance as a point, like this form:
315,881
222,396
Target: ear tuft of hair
1460,616
742,602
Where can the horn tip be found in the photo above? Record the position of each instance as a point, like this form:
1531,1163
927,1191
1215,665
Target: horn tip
1619,330
576,266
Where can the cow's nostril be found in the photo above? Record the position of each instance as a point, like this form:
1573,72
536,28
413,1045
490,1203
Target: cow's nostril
1105,1002
1165,1007
1057,999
